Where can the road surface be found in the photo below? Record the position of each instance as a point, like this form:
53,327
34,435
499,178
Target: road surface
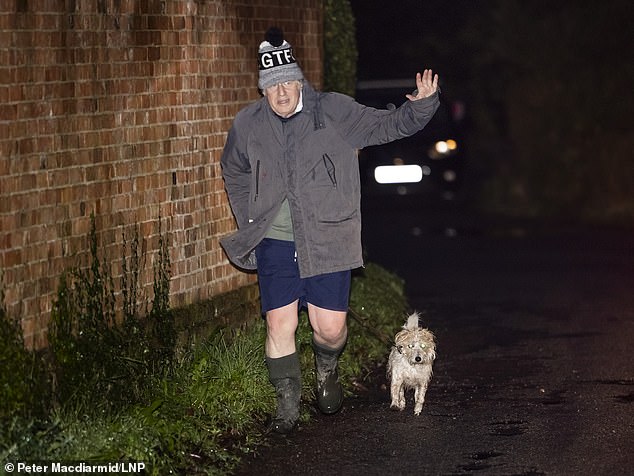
535,366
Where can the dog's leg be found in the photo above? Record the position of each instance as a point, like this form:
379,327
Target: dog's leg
401,396
419,399
398,395
419,396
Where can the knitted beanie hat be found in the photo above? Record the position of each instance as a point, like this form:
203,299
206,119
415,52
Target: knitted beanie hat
276,61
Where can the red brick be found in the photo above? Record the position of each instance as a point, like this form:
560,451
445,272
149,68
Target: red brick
97,120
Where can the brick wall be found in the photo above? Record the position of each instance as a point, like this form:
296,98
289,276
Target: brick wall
120,108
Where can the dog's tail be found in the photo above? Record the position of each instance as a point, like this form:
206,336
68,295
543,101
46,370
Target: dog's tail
412,322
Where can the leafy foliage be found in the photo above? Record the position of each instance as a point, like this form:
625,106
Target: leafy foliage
21,375
229,383
340,47
95,358
204,414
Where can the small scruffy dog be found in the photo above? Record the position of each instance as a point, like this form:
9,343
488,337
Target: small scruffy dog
410,363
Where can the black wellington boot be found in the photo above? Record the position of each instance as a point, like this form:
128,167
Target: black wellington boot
329,389
285,375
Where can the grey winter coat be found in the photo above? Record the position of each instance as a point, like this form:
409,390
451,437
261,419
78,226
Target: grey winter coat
311,160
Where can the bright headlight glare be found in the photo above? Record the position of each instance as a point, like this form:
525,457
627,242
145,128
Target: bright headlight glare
441,147
398,174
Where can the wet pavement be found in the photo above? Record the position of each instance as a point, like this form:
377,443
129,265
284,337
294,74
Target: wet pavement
535,366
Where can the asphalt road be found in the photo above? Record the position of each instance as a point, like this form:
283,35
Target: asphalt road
535,366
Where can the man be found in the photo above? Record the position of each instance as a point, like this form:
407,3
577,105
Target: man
292,177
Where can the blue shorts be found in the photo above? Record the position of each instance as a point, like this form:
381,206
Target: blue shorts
280,284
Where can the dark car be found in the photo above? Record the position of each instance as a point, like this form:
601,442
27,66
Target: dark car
429,162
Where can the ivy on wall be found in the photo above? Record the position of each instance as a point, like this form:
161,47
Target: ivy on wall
340,47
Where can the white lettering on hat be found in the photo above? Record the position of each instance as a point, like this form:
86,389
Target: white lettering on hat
271,59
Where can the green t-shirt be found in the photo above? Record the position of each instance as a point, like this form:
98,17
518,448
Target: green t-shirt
282,226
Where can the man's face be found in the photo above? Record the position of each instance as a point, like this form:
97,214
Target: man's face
284,97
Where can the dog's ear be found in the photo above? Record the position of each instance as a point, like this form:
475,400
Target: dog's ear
412,322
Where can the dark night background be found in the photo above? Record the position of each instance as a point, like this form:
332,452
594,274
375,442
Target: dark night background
547,88
528,298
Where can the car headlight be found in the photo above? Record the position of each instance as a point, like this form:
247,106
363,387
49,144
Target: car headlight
443,149
385,174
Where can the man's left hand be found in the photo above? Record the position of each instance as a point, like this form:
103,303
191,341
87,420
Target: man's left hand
426,85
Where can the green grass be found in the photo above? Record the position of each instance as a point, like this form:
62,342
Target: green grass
210,409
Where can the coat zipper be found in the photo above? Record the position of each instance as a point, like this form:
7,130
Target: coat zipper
257,180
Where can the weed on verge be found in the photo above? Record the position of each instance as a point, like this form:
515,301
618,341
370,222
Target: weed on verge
197,413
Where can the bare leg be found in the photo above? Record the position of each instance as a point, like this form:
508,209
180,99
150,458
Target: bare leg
329,327
281,325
